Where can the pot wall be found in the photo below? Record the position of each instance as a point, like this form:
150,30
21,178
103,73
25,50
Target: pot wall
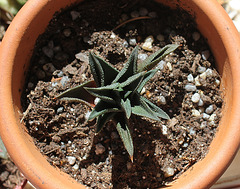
32,21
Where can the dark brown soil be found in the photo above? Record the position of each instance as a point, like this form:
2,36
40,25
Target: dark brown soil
10,176
163,150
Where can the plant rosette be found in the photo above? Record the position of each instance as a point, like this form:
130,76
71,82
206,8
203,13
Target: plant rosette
119,92
223,40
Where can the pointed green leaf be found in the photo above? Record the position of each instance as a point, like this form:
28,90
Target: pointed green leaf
123,130
130,67
154,59
102,108
147,76
102,70
132,82
127,93
156,109
102,119
79,93
96,70
126,105
105,93
141,108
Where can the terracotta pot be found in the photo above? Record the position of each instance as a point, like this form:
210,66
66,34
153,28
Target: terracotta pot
16,50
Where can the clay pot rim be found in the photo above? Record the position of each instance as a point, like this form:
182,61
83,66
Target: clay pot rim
225,29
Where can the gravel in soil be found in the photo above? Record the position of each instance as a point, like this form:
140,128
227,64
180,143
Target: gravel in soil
10,176
186,87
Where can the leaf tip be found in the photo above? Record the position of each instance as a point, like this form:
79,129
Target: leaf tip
131,158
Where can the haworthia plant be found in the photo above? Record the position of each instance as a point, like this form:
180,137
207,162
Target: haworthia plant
119,92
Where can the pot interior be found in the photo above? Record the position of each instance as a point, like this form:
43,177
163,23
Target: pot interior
208,169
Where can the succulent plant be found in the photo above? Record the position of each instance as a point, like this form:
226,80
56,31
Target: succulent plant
119,92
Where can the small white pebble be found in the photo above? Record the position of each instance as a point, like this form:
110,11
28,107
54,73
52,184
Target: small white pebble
200,103
209,72
76,167
147,45
195,113
190,78
162,100
192,131
60,74
190,87
164,130
169,65
217,82
132,41
168,172
125,44
195,98
196,36
212,117
185,145
197,81
96,100
99,149
181,141
87,115
84,77
161,65
205,54
64,80
205,116
142,56
143,91
209,109
201,69
113,36
201,110
203,75
71,160
82,57
211,123
203,124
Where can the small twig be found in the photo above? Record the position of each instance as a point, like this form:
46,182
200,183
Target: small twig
131,20
26,112
50,151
